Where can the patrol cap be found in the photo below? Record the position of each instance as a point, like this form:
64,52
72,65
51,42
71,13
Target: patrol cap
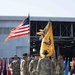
25,54
45,52
12,57
36,54
15,56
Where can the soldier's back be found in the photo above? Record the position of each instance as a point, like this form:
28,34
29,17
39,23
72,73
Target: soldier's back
16,68
44,66
32,67
25,67
53,67
60,67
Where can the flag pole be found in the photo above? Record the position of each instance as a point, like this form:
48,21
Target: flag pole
29,34
54,55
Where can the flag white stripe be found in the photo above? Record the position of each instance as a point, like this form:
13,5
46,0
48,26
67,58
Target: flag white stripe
20,30
20,33
23,26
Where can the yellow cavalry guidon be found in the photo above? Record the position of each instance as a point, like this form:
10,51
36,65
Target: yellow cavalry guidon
47,40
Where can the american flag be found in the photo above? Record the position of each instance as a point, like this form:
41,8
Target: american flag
21,30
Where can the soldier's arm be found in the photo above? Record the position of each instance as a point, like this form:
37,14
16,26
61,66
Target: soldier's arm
38,66
25,68
62,64
11,65
30,66
22,65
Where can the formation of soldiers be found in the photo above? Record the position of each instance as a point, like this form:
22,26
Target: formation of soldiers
37,66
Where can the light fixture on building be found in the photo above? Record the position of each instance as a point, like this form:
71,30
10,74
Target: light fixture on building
34,49
72,41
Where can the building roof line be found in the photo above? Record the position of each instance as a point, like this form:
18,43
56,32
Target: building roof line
32,18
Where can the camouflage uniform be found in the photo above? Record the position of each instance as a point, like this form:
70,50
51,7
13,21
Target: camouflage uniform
57,68
15,65
53,70
25,67
32,67
60,67
44,66
61,63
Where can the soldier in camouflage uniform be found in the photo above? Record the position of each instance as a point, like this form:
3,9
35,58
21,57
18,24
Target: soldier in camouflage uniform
53,63
25,65
15,65
33,65
60,66
44,65
57,68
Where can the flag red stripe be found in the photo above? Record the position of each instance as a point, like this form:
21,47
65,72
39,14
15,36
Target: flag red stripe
22,27
18,31
27,29
21,31
19,28
19,35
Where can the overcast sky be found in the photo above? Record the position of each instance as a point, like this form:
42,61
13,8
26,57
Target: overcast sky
41,8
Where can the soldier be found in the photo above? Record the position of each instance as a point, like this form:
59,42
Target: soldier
44,65
60,66
25,64
33,65
57,68
15,65
53,70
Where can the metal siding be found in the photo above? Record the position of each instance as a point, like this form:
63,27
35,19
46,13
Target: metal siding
9,48
21,49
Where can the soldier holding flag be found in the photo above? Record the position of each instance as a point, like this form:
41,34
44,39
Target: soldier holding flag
44,65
